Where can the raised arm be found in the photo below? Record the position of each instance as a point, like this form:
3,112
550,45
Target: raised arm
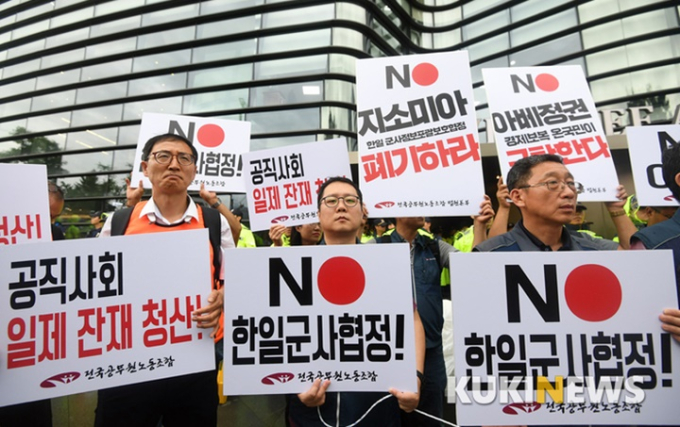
213,201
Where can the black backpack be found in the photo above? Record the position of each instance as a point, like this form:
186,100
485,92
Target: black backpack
211,220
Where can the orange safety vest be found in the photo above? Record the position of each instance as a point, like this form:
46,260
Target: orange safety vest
141,225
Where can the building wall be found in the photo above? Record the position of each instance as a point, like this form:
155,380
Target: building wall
77,75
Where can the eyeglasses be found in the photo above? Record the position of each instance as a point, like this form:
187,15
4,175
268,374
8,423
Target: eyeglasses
165,157
332,201
554,185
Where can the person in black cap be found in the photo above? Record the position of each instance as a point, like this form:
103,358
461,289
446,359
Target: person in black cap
97,220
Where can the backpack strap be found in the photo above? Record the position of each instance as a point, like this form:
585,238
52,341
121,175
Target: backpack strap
120,220
212,221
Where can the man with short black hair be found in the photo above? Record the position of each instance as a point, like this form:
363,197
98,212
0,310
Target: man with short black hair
340,216
169,161
545,192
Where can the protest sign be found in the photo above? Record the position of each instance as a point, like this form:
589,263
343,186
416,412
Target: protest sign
549,110
564,338
645,147
282,183
219,143
329,312
88,314
24,204
417,136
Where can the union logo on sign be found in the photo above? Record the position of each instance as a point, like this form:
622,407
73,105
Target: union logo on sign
64,378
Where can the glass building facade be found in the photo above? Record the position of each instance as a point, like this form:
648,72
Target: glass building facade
76,76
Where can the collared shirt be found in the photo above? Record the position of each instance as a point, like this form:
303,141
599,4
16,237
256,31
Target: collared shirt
566,240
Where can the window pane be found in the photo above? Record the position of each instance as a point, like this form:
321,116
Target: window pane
49,122
92,116
66,38
101,92
134,110
284,121
292,93
546,51
298,16
162,60
544,27
303,40
291,67
111,48
166,38
158,84
108,69
170,15
224,50
232,26
54,100
62,58
215,101
221,75
117,26
58,79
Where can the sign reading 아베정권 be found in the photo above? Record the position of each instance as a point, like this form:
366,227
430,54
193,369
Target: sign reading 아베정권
564,338
417,132
24,205
282,183
220,144
645,148
88,314
549,110
328,312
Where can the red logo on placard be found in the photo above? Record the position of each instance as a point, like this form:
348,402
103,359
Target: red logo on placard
593,293
341,280
517,408
547,82
65,378
278,378
210,135
425,74
279,219
384,205
669,198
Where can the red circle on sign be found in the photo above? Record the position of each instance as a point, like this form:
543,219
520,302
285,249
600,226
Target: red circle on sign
341,280
547,82
210,135
593,293
425,74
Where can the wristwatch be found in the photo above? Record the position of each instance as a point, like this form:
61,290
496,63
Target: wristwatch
216,204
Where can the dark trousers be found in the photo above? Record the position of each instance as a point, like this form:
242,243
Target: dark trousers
431,391
188,400
34,414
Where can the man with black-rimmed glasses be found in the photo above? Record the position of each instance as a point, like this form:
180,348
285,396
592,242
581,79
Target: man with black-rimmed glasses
169,161
546,193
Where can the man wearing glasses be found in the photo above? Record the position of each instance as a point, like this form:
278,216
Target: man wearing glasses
545,192
340,216
169,161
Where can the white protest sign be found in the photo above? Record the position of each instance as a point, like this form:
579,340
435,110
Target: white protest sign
330,312
24,204
87,314
282,183
549,110
580,329
645,147
220,144
417,136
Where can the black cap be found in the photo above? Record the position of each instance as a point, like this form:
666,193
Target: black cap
95,214
237,212
580,207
